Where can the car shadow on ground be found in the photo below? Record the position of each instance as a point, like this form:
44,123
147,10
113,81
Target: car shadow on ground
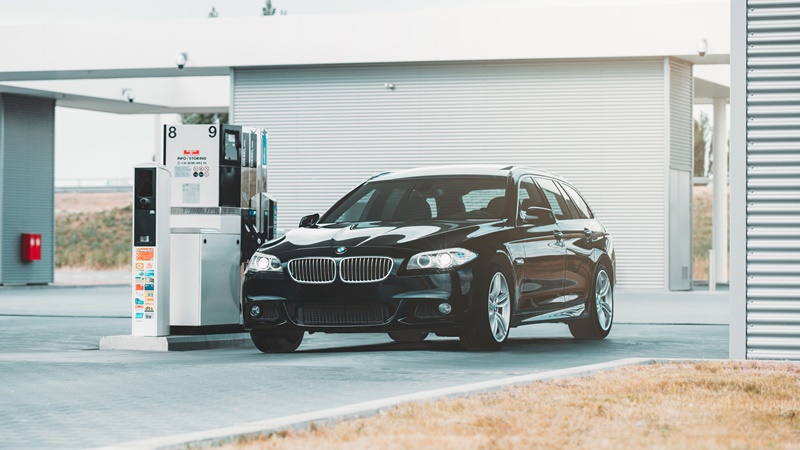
517,345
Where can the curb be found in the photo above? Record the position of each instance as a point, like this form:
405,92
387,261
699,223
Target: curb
331,416
176,342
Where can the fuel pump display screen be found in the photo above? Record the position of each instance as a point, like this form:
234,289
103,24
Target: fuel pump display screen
144,183
231,151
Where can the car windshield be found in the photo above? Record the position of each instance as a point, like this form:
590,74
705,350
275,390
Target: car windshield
421,199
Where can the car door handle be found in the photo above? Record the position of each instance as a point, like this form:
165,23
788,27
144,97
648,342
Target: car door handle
519,261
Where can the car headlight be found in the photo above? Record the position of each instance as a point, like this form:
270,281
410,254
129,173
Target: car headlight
262,262
441,259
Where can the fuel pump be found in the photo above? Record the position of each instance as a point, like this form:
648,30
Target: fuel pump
217,172
258,219
151,251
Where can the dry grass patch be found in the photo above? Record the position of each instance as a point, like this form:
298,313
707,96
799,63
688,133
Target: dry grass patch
71,202
98,240
692,405
93,230
703,202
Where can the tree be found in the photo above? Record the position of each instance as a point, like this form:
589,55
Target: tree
199,118
268,10
702,146
213,12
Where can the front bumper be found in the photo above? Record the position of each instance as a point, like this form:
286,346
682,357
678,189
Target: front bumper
401,301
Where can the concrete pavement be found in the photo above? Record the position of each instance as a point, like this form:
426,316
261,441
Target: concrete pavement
58,392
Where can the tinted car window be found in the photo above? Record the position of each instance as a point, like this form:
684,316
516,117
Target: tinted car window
572,210
554,198
480,199
419,199
529,195
583,208
354,214
432,203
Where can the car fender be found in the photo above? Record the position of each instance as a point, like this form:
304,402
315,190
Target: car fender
599,256
503,259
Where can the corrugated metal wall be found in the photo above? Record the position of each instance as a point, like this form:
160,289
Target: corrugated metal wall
26,195
681,162
681,139
773,180
598,123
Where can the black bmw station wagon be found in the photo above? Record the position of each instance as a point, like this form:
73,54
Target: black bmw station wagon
465,251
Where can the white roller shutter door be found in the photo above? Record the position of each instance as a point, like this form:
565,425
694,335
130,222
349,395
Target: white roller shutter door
598,123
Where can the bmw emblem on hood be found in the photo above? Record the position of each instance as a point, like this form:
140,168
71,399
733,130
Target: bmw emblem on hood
340,250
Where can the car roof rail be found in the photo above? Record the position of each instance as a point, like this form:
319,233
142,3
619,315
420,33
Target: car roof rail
540,171
380,174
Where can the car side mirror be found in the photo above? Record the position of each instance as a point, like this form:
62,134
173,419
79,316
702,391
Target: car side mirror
309,221
538,216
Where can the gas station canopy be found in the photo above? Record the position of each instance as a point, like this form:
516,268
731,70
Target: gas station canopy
142,57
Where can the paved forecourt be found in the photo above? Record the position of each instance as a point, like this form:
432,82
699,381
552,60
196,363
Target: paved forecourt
59,391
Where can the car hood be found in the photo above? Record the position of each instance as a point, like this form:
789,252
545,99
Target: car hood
426,236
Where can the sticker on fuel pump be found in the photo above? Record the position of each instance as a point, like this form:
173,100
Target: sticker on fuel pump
182,172
144,286
145,253
190,193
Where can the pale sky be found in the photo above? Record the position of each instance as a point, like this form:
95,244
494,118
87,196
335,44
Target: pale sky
93,145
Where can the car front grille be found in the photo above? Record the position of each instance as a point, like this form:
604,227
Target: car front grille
356,269
313,270
427,310
341,315
365,269
269,311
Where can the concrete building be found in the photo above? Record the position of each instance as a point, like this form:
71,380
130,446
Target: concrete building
600,94
27,128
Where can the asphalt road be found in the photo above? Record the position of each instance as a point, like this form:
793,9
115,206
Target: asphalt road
57,390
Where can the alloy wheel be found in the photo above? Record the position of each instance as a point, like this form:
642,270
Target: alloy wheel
604,300
499,307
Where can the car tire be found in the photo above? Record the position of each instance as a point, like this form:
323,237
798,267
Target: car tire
491,318
408,336
286,343
600,307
